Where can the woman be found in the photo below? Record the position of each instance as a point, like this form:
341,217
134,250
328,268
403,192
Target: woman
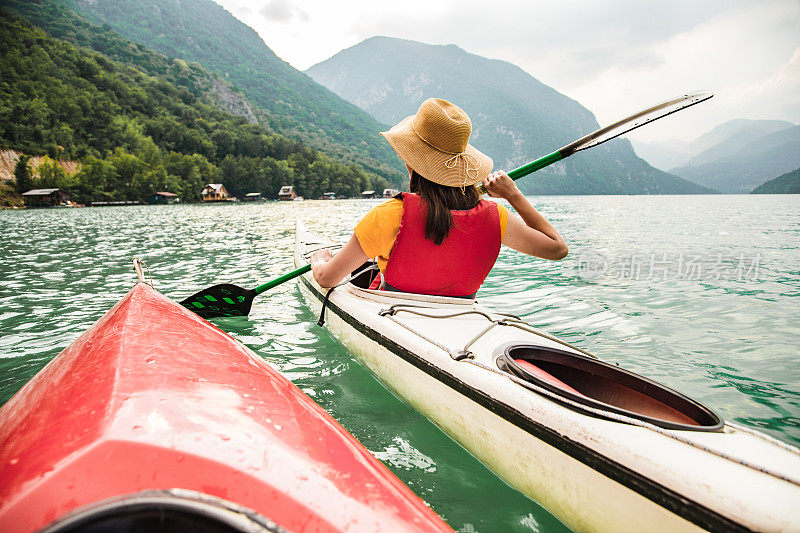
441,239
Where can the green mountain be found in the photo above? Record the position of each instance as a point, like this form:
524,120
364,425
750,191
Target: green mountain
63,23
134,134
740,165
788,183
515,117
203,32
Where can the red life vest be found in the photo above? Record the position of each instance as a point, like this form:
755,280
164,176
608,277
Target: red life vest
458,266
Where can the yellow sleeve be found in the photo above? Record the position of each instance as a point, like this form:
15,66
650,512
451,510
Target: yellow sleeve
377,231
503,220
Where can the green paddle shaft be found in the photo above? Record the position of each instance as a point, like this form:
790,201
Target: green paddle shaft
531,167
286,277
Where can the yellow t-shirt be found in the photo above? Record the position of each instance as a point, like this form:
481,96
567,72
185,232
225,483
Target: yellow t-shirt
377,231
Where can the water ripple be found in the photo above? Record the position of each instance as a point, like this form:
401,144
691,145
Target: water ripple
728,342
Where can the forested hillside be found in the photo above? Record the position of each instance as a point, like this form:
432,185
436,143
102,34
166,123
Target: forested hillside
62,23
788,183
135,134
202,31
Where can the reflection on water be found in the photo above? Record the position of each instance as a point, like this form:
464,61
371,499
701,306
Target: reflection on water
728,341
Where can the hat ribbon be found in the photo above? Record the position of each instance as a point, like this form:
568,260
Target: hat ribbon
471,164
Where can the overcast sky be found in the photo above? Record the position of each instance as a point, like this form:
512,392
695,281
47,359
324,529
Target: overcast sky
613,56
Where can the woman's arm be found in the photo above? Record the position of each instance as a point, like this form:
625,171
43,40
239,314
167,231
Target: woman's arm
330,269
531,234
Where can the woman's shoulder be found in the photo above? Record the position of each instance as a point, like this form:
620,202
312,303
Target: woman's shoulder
502,212
393,203
376,231
390,206
500,207
386,212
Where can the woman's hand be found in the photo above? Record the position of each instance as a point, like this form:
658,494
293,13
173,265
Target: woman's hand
320,257
330,269
499,185
530,232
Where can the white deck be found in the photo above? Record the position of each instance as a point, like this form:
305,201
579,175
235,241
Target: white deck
582,497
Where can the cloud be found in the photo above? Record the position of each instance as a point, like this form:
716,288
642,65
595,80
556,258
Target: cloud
282,11
567,41
742,54
779,94
787,77
613,57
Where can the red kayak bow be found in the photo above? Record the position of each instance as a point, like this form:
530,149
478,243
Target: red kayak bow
153,398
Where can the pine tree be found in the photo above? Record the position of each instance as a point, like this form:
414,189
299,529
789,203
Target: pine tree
22,174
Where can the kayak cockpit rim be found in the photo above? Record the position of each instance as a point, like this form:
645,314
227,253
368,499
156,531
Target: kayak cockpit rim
173,509
577,380
603,387
362,278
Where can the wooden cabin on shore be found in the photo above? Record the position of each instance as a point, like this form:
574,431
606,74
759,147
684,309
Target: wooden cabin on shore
164,197
215,192
287,193
44,197
368,194
252,197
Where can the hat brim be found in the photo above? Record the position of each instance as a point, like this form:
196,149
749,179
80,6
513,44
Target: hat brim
433,164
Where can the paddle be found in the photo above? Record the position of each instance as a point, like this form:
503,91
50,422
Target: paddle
230,300
227,299
612,131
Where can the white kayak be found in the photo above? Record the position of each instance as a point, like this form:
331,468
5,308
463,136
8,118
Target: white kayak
601,448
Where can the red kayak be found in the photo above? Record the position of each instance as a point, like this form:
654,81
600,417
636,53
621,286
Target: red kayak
154,419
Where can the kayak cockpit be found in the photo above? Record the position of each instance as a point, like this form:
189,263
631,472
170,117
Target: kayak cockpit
363,276
595,387
163,510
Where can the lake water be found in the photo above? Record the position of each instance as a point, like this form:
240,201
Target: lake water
701,293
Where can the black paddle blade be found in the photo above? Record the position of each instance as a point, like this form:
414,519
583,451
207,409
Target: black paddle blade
221,300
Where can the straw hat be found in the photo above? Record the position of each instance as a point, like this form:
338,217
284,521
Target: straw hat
435,143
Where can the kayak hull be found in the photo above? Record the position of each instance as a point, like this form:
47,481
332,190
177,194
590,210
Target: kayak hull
152,398
591,473
579,496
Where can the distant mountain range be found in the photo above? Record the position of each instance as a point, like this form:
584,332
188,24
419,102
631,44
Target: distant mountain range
202,31
788,183
515,117
665,154
671,154
742,170
734,157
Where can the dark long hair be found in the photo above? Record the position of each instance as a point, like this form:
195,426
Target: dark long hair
440,200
